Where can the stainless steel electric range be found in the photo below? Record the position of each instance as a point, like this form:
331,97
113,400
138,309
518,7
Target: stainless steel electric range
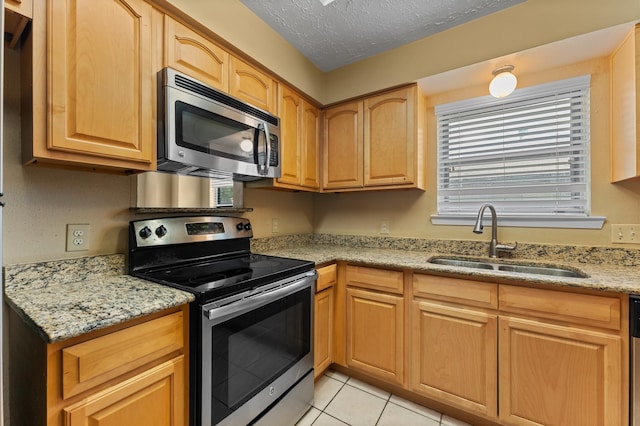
251,350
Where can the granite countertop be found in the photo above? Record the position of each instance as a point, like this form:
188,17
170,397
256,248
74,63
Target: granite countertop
68,298
602,276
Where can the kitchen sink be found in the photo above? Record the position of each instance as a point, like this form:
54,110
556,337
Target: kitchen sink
509,267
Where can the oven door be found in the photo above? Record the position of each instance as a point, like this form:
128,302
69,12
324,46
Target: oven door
255,347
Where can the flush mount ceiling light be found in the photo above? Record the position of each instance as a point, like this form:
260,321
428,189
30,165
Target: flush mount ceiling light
326,2
503,83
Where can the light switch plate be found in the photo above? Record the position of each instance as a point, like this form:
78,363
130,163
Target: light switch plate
625,233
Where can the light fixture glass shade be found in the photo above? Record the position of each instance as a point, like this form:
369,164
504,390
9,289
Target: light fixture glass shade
503,84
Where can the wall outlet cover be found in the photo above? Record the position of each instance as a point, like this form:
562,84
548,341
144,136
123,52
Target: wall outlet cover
78,237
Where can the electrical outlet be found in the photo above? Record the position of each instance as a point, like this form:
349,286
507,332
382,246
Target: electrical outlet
625,233
275,226
384,227
78,237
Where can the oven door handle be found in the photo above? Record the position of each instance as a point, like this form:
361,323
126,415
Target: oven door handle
222,313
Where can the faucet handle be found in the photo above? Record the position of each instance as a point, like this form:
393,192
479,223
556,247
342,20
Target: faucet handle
506,247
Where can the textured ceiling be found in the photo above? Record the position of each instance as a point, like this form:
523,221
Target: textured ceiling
346,31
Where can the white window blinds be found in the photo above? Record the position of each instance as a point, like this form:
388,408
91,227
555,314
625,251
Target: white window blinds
527,154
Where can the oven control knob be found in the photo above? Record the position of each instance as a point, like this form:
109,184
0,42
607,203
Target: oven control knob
247,227
145,232
239,226
161,231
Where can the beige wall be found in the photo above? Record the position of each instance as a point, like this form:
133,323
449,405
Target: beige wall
408,212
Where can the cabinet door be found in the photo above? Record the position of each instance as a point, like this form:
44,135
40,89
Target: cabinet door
290,112
102,83
155,397
625,111
310,146
194,55
342,159
252,86
557,375
390,138
375,334
454,356
323,331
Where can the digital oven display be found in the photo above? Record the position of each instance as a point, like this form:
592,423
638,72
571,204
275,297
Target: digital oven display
205,228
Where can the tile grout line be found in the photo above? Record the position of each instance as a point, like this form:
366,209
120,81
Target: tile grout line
332,398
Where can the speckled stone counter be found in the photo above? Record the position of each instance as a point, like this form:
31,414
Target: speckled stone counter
63,299
608,269
67,298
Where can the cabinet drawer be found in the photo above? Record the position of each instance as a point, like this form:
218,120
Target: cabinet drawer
375,279
472,293
583,309
326,277
96,361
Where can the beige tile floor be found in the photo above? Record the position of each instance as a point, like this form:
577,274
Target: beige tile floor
343,400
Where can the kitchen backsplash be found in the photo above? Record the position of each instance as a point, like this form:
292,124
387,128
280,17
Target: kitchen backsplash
543,252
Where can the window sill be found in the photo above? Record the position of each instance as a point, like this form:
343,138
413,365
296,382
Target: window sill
569,222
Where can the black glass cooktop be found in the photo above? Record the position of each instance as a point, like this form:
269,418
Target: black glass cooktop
221,277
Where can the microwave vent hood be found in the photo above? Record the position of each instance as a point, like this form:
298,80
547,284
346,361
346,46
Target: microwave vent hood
207,133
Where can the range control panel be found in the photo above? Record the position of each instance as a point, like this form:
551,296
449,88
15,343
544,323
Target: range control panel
179,230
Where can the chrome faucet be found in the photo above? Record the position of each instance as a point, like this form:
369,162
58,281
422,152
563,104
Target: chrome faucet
494,247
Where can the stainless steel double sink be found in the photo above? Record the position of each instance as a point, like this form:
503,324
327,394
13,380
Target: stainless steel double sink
555,271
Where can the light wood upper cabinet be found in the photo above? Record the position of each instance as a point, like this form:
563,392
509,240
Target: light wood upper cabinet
376,142
189,52
310,141
300,138
558,375
252,85
390,138
625,109
343,147
101,89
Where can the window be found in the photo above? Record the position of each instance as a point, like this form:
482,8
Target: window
221,192
527,154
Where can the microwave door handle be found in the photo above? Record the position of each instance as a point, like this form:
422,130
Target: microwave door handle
264,169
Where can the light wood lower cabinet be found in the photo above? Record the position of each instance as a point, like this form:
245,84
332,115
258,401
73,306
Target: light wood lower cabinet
132,374
454,352
147,399
375,334
323,331
323,319
558,375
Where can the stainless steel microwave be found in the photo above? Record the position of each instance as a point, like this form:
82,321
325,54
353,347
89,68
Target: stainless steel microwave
205,132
